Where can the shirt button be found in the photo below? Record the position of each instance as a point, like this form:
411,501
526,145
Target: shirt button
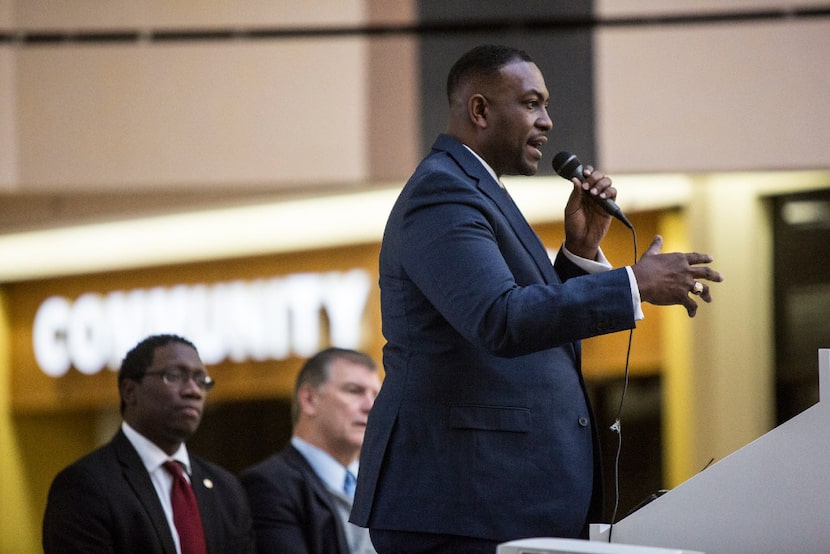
583,421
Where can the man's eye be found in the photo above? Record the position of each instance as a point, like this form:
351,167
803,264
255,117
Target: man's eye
176,374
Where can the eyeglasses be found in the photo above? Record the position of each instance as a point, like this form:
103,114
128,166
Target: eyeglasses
177,376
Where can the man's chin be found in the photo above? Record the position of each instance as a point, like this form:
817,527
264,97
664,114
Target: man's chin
526,169
185,431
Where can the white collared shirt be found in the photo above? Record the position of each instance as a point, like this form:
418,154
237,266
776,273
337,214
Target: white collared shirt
153,457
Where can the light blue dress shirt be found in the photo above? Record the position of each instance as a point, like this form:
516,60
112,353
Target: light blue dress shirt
330,471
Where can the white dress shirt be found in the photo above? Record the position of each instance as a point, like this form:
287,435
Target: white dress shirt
153,457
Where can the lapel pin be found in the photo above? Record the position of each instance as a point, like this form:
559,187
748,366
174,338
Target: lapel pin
208,483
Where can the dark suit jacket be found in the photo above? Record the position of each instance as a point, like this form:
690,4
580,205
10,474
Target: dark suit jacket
105,502
482,427
292,509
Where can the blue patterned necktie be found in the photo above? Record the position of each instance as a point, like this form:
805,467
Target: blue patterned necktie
349,484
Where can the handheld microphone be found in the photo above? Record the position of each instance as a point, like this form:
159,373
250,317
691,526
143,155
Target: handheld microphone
568,166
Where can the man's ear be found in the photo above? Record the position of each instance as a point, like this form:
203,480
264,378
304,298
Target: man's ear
306,397
477,107
128,391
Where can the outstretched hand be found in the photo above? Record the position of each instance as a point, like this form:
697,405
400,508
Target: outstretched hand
668,279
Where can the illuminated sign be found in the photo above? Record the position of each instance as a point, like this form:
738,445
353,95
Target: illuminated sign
268,319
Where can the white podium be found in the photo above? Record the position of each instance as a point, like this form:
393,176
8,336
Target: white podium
769,497
573,546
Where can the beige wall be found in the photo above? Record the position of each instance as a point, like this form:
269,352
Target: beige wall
612,8
721,97
6,16
208,114
251,114
327,112
172,14
8,121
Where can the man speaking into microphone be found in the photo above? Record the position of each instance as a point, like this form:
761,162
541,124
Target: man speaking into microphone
482,431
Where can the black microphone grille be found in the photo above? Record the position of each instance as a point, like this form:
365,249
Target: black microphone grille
567,165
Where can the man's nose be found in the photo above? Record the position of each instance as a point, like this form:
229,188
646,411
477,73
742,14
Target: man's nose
368,400
545,122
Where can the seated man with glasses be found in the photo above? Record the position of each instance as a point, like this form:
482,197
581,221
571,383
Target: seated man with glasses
143,491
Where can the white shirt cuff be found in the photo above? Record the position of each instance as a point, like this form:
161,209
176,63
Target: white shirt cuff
602,264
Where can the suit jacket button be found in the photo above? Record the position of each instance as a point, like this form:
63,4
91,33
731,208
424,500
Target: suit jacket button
583,421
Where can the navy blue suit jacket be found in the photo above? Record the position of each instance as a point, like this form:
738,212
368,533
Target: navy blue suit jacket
482,427
292,509
106,502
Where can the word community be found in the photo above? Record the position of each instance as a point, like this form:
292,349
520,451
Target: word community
259,320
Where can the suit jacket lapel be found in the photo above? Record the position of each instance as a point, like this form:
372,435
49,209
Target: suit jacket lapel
294,458
206,498
522,228
502,199
139,480
511,212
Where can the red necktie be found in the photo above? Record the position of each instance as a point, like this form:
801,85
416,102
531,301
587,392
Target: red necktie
185,512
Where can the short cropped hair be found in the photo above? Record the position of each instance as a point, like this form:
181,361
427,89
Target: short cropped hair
317,370
140,358
482,62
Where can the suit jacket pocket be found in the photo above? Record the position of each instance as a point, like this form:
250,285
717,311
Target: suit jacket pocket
490,418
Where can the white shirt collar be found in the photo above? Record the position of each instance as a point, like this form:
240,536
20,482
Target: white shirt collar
151,455
486,165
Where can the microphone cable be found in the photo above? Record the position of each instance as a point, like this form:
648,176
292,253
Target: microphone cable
568,166
617,426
